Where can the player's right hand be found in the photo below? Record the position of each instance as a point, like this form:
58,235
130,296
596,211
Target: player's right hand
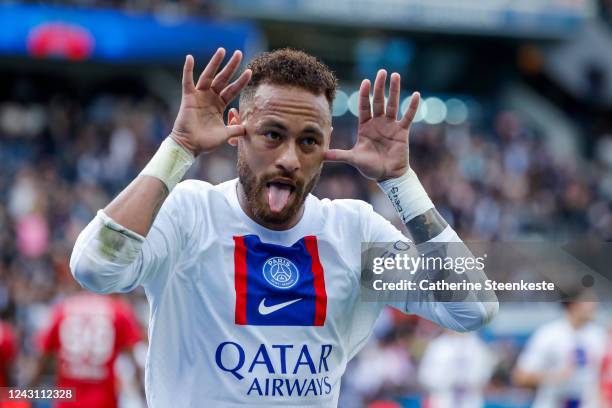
199,126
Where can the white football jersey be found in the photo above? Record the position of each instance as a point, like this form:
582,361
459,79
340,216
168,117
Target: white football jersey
242,315
552,349
455,369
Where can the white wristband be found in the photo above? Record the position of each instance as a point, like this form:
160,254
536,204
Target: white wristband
407,195
169,164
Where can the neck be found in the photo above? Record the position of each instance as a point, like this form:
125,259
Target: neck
574,321
277,226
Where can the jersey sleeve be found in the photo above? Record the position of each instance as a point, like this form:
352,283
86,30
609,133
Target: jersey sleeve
109,258
378,229
433,373
534,357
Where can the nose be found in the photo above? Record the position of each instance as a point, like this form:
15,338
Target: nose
288,160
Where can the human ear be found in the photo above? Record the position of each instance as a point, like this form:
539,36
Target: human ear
233,118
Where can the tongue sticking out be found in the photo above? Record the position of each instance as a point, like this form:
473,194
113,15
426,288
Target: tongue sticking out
278,195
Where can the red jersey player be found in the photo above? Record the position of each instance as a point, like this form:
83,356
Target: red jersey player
86,334
8,352
605,381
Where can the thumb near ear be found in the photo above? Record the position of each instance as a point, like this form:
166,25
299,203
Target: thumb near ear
235,131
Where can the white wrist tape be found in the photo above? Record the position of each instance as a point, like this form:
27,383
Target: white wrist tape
169,164
407,195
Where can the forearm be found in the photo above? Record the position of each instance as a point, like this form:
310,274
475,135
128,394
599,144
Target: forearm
470,309
414,207
426,226
39,369
136,207
523,378
461,311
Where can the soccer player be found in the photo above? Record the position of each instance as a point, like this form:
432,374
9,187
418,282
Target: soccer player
254,284
86,334
605,381
8,353
563,358
9,349
455,369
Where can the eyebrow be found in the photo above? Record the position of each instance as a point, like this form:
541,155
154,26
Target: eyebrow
312,130
272,123
278,125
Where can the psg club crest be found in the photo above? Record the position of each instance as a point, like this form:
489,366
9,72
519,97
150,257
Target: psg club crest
280,272
278,285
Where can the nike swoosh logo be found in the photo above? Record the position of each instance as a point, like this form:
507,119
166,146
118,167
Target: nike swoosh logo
266,310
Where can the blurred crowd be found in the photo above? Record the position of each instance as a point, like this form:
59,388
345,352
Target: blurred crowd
198,7
63,159
605,7
161,7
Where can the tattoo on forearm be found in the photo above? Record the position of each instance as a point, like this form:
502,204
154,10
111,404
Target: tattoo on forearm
426,226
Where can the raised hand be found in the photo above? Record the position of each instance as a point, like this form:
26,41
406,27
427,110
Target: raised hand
199,125
381,151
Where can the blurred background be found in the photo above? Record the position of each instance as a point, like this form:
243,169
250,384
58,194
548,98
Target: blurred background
513,142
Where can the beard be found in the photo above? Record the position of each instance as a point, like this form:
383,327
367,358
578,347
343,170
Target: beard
254,188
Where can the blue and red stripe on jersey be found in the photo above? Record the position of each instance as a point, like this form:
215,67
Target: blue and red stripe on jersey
274,275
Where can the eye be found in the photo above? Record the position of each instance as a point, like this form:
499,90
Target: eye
309,141
272,136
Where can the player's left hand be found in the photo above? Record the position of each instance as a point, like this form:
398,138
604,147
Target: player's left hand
381,151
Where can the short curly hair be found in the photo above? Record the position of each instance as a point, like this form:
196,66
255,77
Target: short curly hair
291,67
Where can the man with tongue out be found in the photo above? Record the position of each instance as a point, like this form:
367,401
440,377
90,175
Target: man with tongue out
254,284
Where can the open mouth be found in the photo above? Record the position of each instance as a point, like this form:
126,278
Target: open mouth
278,194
